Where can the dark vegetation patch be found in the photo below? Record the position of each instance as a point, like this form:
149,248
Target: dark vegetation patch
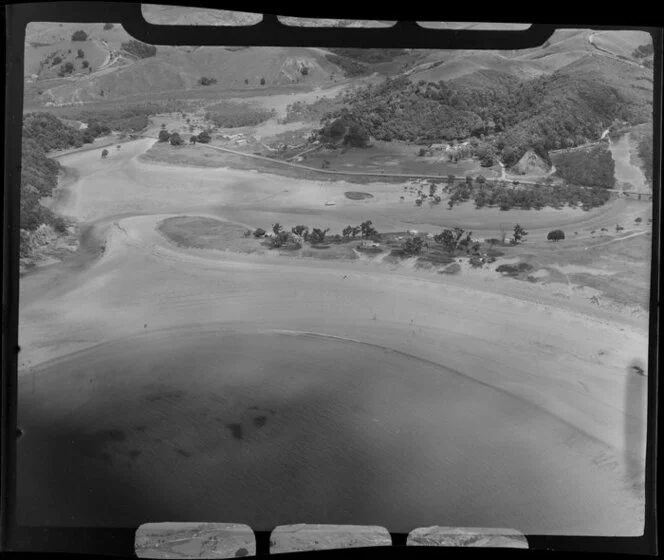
124,117
357,195
241,552
234,115
183,452
260,421
139,49
351,68
236,431
39,178
310,112
514,270
593,167
549,112
499,194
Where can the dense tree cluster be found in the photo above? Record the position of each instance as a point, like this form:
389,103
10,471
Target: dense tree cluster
79,35
594,167
66,69
138,49
39,177
204,137
344,130
50,133
301,111
124,118
535,197
43,132
175,139
545,113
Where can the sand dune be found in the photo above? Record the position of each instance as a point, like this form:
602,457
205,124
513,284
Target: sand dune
455,401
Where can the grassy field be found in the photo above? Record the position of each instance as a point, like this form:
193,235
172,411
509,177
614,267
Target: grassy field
200,157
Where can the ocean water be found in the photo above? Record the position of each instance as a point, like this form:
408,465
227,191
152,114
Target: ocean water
271,428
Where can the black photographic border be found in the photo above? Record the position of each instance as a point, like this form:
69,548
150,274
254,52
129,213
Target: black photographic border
120,542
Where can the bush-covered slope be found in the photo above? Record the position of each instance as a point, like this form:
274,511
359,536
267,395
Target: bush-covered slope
548,112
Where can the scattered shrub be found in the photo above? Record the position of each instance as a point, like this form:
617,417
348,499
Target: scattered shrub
556,235
79,36
205,81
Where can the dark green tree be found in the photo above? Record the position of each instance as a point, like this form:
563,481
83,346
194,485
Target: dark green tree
79,36
175,139
518,234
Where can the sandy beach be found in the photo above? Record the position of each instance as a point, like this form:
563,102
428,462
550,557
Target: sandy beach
262,389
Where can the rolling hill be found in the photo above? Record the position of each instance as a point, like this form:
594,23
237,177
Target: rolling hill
604,54
180,68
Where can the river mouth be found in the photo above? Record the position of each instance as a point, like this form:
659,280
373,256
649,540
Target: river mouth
267,428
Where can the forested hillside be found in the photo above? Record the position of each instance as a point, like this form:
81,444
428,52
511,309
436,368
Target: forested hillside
43,132
50,133
545,113
39,176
